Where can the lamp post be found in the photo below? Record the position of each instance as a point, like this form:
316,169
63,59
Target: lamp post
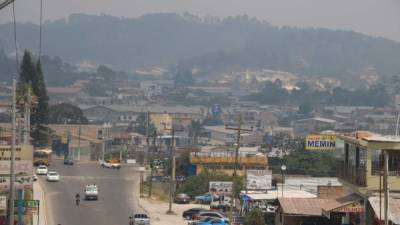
283,169
106,126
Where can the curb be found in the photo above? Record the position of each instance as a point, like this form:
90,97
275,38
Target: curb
44,204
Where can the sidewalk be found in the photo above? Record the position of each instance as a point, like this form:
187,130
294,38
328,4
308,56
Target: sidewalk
157,211
38,194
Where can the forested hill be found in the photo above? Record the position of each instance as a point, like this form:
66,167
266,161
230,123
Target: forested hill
208,43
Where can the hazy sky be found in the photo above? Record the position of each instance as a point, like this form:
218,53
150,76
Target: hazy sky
374,17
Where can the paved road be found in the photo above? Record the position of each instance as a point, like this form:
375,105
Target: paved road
118,192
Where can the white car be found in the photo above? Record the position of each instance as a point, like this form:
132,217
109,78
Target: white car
53,176
41,170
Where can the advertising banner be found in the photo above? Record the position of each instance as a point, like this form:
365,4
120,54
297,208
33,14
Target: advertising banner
324,142
22,152
259,180
221,187
21,182
23,167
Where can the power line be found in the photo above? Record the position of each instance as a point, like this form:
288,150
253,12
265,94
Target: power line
15,37
5,3
40,29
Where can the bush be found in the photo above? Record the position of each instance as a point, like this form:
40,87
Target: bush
254,217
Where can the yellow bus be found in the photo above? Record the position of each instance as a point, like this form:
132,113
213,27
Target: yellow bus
42,157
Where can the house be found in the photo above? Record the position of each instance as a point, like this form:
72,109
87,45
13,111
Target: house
360,170
222,136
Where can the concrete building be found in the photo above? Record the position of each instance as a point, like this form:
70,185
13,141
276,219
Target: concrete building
224,162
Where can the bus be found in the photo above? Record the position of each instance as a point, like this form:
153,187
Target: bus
42,157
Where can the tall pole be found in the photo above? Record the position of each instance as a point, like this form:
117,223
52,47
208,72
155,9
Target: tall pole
172,179
146,154
397,123
386,188
151,166
79,142
12,172
103,149
238,129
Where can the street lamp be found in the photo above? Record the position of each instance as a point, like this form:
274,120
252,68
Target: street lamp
283,169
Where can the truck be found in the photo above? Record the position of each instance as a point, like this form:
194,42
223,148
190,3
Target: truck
91,192
113,164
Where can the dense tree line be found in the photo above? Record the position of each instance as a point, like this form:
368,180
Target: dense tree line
273,93
210,44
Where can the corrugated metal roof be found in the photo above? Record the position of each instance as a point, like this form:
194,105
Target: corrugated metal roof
303,206
394,208
341,201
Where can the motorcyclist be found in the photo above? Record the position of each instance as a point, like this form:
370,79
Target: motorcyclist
77,199
130,220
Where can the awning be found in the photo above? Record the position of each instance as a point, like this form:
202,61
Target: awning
394,208
348,203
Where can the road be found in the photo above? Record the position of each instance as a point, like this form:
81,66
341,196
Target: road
118,194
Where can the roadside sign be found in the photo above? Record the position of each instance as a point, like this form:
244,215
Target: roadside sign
3,203
221,187
31,206
20,167
322,142
21,182
259,180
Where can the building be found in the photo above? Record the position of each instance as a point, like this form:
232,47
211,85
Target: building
126,113
221,136
304,126
360,170
224,162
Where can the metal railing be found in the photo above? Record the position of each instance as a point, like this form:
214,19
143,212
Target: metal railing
353,175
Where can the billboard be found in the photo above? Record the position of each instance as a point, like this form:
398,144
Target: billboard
23,167
325,142
22,152
21,182
221,187
258,179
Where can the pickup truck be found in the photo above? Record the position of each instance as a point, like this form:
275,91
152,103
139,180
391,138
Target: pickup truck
91,192
140,219
111,164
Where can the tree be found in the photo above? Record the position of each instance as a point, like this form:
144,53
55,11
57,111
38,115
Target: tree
66,112
183,78
254,217
305,109
41,112
31,82
140,124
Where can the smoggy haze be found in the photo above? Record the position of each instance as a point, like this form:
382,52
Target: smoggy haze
374,17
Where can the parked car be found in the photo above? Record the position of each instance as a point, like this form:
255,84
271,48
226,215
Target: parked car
192,213
215,222
42,170
53,176
221,204
197,222
180,178
141,219
182,198
213,214
207,198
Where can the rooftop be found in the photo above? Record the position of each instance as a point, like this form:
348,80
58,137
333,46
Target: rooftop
319,119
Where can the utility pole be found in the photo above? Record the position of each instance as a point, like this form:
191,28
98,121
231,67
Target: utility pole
79,141
151,165
238,129
12,172
146,154
386,188
172,179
